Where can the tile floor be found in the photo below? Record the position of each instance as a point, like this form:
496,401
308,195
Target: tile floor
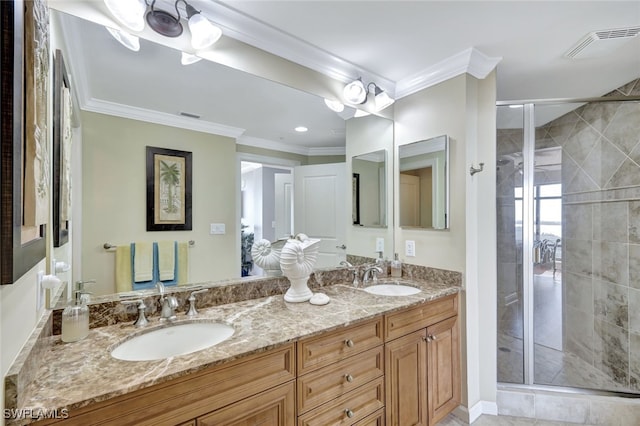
486,420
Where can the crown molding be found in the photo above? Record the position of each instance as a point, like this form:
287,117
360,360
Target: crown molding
150,116
279,146
251,31
470,61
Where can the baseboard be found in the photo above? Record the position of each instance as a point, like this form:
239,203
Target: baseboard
472,414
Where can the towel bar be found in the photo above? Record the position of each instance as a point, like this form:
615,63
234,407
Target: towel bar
109,246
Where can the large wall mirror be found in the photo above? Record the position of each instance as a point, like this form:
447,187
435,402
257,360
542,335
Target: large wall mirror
424,184
115,132
369,199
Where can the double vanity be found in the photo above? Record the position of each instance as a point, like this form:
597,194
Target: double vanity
362,359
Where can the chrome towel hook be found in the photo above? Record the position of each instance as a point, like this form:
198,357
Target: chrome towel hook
473,170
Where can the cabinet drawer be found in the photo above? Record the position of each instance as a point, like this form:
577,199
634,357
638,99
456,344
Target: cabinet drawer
316,352
376,419
333,380
272,407
349,408
404,322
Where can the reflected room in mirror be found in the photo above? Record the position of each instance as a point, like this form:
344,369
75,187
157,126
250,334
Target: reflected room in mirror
424,184
370,189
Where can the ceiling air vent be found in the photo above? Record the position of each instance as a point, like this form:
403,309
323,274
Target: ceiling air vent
188,114
598,43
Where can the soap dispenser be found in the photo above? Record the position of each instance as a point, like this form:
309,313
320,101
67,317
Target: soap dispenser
396,267
75,317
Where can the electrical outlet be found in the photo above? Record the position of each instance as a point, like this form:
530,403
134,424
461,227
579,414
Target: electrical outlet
217,229
379,244
410,248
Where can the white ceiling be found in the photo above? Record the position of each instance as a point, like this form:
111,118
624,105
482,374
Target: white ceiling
390,42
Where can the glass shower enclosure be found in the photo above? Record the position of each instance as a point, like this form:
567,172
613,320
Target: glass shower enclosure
568,211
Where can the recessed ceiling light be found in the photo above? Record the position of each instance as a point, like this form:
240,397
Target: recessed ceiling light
301,129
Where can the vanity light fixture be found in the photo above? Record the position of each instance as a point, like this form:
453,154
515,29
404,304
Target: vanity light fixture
334,105
129,41
203,32
356,93
188,58
382,98
130,13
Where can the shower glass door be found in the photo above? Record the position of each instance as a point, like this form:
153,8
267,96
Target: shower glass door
568,209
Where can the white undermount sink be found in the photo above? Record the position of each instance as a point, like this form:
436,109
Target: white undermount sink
178,339
392,290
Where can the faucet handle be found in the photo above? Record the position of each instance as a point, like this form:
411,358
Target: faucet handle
142,319
192,302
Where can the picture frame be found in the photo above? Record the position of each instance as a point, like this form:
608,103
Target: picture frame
169,189
21,247
355,186
62,113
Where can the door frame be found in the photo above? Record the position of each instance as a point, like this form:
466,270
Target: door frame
265,160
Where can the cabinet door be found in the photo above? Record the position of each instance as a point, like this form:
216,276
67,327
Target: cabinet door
274,407
443,369
406,380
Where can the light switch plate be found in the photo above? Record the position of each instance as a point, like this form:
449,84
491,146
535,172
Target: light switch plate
410,248
217,229
379,244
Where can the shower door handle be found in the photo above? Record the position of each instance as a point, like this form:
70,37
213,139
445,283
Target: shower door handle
343,247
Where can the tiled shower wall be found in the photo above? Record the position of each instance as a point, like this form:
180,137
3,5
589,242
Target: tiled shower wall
601,230
601,234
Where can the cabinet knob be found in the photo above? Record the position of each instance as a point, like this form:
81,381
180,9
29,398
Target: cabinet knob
432,337
349,413
426,339
348,378
349,343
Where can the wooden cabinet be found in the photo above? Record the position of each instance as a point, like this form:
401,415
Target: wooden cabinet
443,368
184,399
341,376
422,368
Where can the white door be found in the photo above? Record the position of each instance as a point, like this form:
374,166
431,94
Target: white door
320,209
284,205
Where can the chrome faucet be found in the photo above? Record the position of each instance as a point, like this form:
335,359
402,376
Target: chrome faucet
141,321
169,304
192,302
355,282
371,273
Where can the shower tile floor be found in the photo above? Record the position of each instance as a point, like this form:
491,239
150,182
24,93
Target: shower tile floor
552,365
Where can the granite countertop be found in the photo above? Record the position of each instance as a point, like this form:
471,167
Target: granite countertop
73,375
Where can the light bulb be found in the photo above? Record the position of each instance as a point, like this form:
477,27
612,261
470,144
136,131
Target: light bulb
129,12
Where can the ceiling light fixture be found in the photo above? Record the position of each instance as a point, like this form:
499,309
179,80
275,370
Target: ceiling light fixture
334,105
130,13
301,129
129,41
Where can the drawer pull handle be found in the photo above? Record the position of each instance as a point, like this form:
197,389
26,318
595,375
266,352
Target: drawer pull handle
349,343
349,413
348,378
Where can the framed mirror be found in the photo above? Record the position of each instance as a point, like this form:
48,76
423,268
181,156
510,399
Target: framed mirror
369,206
423,176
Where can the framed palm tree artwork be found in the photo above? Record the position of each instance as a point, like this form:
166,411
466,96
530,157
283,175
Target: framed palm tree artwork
168,189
